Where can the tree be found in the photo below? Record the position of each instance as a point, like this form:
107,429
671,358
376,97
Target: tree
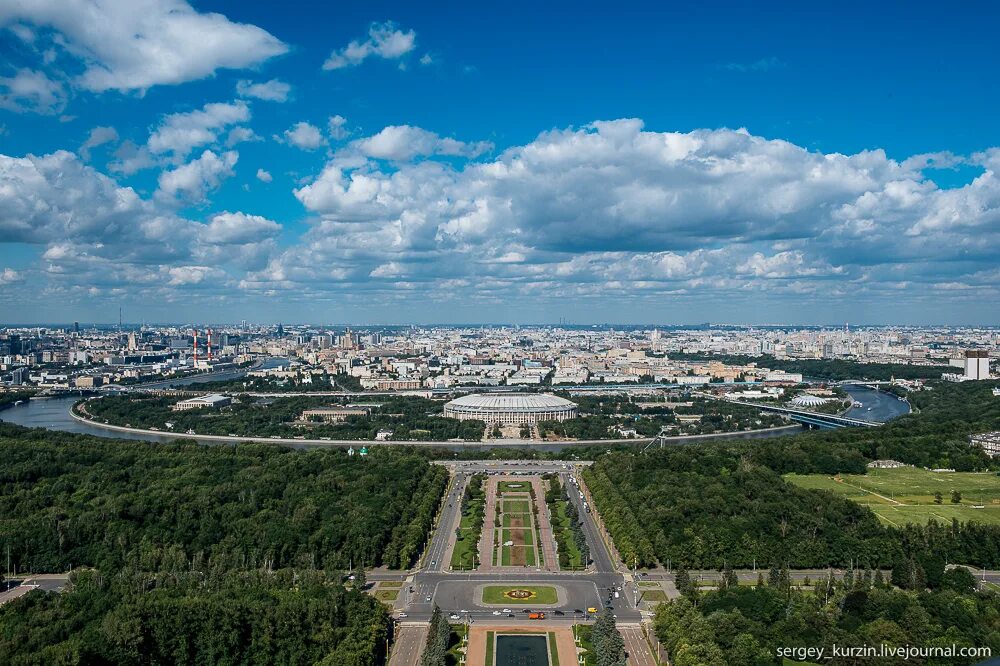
436,648
682,579
956,497
609,646
959,579
938,498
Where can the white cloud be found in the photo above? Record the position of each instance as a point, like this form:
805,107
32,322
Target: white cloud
31,90
240,135
608,213
97,137
10,276
385,40
337,127
305,136
426,59
264,176
404,142
58,197
180,133
137,44
192,181
271,91
239,228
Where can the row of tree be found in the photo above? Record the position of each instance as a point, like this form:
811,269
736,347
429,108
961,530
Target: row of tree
709,504
609,647
69,500
438,640
296,618
750,625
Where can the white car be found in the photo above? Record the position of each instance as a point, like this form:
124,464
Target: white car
507,610
496,612
453,616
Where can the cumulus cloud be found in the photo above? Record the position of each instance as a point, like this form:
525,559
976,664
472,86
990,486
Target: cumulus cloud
337,127
31,90
304,135
138,44
10,276
264,176
403,142
385,40
239,228
608,213
271,91
615,207
180,133
97,137
192,181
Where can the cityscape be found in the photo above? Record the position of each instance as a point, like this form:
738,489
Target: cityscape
392,335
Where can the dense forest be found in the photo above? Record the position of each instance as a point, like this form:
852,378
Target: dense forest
740,625
75,500
295,618
833,369
725,502
408,418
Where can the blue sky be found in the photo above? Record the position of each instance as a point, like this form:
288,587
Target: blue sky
387,163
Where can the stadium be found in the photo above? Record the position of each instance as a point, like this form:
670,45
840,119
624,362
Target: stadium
511,409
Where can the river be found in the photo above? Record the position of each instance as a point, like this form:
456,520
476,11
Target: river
54,414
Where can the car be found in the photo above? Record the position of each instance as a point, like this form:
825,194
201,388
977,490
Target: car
402,615
428,599
507,610
577,610
433,562
559,612
526,611
496,612
453,616
510,615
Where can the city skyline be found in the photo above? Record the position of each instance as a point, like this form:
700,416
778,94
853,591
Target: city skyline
390,165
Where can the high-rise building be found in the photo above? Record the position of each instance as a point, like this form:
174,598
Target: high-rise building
977,364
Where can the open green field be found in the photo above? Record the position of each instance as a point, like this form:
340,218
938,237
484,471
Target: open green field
906,494
542,594
654,595
516,506
386,595
513,487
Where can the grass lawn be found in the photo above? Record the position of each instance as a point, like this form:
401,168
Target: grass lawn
654,595
648,583
553,650
513,487
543,594
583,631
906,494
490,637
386,595
465,548
391,583
516,506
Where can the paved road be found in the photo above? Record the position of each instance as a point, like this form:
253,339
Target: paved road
444,535
45,582
638,650
410,641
